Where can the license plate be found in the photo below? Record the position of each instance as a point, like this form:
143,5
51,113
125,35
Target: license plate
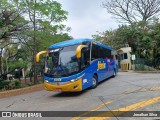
57,79
57,83
59,90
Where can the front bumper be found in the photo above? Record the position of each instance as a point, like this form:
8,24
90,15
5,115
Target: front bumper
69,87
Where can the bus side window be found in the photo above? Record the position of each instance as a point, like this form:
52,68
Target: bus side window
94,52
101,52
108,53
87,56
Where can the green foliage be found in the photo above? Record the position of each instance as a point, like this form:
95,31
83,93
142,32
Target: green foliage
142,37
17,64
46,39
17,34
7,84
4,83
17,84
30,83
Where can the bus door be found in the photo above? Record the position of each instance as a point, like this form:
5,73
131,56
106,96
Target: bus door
84,64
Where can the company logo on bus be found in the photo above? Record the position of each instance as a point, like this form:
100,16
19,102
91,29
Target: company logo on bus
101,65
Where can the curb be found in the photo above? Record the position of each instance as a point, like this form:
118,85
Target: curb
20,91
144,71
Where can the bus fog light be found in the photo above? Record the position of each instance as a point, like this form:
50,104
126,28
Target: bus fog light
76,86
46,81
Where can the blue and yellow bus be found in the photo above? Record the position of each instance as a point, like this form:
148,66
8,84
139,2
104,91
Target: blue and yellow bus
75,65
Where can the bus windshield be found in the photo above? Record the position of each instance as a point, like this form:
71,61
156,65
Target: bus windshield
61,62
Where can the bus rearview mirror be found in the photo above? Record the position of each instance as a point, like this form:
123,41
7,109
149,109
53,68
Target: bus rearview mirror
38,55
79,51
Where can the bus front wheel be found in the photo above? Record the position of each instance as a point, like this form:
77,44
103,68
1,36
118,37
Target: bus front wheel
94,82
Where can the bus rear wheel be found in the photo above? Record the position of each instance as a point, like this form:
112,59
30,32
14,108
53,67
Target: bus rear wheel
94,82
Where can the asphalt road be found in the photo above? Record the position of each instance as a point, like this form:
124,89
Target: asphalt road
126,92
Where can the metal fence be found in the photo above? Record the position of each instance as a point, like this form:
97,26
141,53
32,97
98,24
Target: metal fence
145,64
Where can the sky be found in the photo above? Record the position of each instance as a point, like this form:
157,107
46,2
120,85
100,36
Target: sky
86,17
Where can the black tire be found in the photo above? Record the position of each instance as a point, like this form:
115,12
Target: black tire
94,81
114,73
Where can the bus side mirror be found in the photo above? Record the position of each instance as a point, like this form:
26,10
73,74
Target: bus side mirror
38,55
79,51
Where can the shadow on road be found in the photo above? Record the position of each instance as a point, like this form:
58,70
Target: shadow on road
69,94
76,94
105,80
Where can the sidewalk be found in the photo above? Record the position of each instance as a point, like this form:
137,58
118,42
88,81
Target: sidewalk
9,93
132,71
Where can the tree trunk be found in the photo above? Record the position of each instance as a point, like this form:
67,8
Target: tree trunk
34,40
1,62
31,74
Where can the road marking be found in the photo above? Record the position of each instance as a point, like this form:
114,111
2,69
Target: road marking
153,88
143,90
125,109
88,112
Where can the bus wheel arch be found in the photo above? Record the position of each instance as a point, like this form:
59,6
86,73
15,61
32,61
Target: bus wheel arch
94,81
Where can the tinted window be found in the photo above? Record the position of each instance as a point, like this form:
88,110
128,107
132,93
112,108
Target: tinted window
94,52
100,52
85,59
108,53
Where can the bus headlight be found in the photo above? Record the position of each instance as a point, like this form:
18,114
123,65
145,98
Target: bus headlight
46,81
80,77
73,80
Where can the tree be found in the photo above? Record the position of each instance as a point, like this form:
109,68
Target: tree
11,24
31,26
144,41
44,16
132,11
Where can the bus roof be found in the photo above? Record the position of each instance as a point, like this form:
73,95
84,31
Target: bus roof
76,41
